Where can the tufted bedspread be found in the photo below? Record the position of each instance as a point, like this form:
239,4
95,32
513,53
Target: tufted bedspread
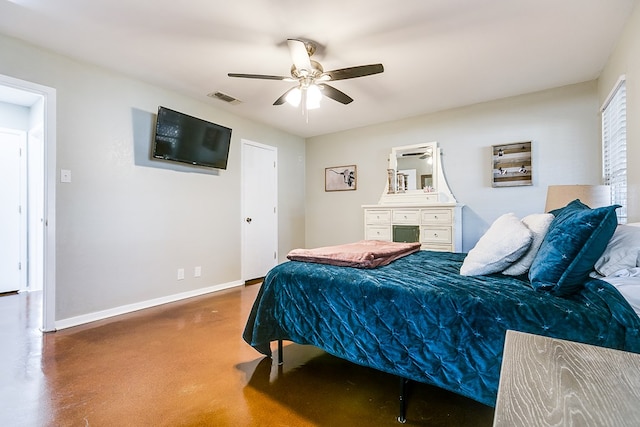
419,319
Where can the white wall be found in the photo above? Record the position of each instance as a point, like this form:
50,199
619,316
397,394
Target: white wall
124,228
626,60
562,124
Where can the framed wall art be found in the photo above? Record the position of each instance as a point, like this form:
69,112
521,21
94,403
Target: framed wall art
340,178
511,164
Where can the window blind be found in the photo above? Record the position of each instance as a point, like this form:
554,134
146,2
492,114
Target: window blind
614,147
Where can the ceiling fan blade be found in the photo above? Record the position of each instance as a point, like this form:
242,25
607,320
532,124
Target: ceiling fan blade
260,76
283,98
353,72
335,94
299,54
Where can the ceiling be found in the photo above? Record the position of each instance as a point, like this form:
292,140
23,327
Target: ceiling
437,54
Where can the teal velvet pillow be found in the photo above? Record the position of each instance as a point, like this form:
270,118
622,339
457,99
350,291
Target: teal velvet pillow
572,206
577,237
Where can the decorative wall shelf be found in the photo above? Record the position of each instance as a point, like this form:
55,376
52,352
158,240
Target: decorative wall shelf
512,164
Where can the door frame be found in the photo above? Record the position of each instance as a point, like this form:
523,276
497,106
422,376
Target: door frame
243,143
49,202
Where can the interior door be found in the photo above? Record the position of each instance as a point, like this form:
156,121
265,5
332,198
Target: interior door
10,217
259,208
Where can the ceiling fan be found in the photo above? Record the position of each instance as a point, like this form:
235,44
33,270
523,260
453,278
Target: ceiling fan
312,78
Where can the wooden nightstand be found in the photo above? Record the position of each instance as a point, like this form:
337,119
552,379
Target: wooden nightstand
552,382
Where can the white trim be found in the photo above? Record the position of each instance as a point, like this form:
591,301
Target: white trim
24,224
130,308
49,283
609,97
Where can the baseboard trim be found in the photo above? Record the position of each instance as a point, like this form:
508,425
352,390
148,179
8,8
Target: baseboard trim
129,308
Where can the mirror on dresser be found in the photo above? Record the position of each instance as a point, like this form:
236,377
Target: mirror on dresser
416,204
415,175
410,169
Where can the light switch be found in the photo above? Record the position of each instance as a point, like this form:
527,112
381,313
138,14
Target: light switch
65,175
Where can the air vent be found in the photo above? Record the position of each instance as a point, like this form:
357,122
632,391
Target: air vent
224,97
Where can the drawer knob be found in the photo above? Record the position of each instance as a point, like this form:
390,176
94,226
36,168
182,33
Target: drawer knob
435,216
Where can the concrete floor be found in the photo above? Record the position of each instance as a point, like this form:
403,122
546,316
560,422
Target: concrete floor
185,364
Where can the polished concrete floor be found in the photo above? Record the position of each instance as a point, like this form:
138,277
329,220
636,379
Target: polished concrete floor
185,364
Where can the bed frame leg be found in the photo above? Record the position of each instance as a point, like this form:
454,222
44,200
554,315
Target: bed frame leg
402,418
280,358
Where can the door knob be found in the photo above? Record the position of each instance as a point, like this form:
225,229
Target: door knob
248,220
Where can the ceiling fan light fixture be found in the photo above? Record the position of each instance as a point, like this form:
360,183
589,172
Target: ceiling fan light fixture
314,96
294,96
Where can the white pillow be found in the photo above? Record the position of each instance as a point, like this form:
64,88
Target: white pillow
504,243
621,252
539,225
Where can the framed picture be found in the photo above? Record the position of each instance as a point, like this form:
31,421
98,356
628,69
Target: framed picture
511,164
340,178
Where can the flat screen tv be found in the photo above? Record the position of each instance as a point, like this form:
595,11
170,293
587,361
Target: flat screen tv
186,139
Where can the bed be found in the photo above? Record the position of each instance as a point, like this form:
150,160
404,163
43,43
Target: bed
419,318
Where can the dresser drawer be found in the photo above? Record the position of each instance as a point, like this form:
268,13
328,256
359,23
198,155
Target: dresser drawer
438,235
406,216
436,216
378,217
377,233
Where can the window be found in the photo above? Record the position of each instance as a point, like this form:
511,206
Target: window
614,146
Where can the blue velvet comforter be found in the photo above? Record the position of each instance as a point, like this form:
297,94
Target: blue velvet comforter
419,319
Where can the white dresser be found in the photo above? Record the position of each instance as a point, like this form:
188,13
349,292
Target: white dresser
437,226
416,204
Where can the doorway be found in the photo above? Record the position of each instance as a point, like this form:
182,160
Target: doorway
36,237
12,227
259,209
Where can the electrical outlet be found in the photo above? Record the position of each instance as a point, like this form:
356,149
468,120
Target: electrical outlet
181,274
197,272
